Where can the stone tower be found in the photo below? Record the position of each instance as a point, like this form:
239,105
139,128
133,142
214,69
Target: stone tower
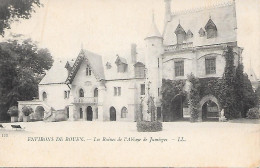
153,57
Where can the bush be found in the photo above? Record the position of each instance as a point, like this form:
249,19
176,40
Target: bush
13,111
253,113
27,110
148,126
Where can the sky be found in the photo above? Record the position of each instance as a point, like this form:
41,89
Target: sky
107,26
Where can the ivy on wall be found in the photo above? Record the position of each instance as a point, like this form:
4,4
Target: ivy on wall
171,89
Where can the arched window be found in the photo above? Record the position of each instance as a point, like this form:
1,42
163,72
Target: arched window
124,112
96,92
81,93
44,96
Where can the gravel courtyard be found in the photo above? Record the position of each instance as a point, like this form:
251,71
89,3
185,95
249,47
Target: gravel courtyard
235,144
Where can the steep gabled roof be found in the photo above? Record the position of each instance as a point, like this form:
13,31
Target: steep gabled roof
56,75
94,61
210,25
223,16
179,29
120,59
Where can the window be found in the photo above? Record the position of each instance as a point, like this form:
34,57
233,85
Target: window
44,96
124,112
211,29
158,91
179,68
96,92
68,112
121,67
158,62
117,91
142,89
180,34
139,70
80,113
210,64
88,71
96,113
65,94
81,93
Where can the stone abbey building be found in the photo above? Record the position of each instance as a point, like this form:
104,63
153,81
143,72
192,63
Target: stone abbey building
94,89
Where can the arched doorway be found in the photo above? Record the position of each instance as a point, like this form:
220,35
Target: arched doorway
178,104
209,108
210,111
112,114
124,112
89,113
39,113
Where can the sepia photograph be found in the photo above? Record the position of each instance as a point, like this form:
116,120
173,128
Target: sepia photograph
130,83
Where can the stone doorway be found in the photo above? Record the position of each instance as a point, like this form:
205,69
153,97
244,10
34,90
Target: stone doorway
89,113
112,114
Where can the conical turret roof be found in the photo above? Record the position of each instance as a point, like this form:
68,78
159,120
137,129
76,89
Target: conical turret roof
153,32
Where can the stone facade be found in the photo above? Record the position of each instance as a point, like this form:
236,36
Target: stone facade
90,88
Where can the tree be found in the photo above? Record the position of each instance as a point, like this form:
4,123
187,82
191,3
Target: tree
246,98
12,10
22,66
228,91
194,97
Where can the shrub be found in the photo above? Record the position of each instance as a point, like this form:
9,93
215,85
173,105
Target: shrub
148,126
253,113
13,111
27,110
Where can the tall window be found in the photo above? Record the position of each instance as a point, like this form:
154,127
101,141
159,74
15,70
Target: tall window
80,113
88,71
179,68
65,94
124,112
142,89
117,91
44,96
210,64
81,93
96,92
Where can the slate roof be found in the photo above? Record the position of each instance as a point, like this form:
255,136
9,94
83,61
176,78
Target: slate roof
95,62
223,16
153,31
56,75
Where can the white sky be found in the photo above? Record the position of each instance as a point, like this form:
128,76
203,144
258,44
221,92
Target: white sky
105,26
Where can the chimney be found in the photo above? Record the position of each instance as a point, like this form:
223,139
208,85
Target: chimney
168,11
133,53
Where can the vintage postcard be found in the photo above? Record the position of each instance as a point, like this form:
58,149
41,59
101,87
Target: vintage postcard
130,83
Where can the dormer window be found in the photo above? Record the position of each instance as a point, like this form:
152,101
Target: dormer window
201,32
139,70
189,34
108,65
44,96
180,34
211,29
88,71
121,64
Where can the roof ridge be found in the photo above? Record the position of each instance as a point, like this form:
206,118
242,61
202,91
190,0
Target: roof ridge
186,11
